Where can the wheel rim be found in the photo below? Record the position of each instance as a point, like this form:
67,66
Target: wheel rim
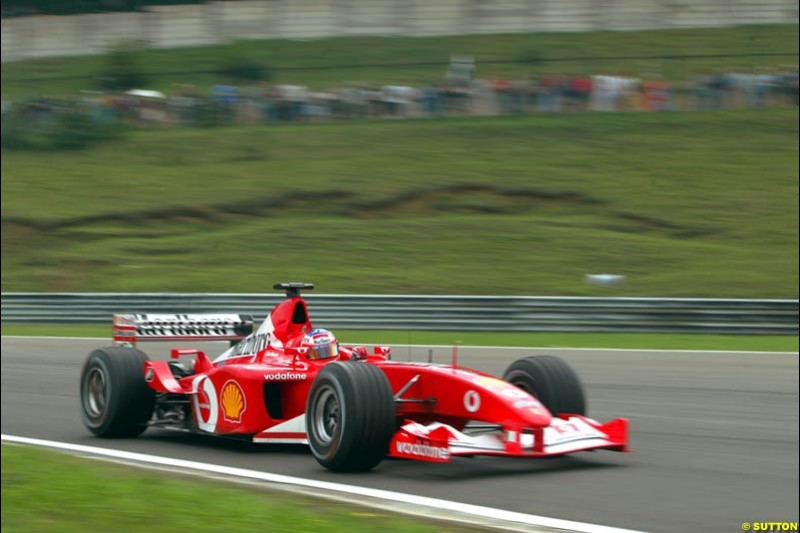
95,398
327,415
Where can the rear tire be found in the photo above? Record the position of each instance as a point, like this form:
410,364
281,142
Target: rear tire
115,399
551,380
350,416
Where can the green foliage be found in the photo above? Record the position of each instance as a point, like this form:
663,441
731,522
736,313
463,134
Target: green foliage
75,129
14,134
122,69
13,8
66,128
240,64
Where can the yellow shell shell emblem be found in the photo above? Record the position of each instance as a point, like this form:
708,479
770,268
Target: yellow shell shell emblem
232,401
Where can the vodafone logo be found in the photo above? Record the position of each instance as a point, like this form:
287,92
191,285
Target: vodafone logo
285,376
472,401
206,408
423,450
203,405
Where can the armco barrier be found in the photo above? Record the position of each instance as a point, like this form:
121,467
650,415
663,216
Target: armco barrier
446,313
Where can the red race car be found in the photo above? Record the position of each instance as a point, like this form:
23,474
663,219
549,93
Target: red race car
287,382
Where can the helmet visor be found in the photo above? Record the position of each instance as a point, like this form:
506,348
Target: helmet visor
324,350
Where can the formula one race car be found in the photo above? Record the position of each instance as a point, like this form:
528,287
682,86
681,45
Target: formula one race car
288,382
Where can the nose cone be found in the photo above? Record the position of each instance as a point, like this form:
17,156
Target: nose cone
528,411
532,413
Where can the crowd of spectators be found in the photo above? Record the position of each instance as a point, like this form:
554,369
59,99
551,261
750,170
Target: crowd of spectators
459,94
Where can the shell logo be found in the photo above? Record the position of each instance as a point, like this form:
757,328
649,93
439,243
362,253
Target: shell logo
232,401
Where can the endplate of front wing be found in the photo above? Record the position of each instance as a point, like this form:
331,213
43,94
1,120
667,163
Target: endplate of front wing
438,442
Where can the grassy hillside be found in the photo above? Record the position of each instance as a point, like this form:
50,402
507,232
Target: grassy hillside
685,204
421,60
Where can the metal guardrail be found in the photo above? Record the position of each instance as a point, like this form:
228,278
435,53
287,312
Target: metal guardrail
444,313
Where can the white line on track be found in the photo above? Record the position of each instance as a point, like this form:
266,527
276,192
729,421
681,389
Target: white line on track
432,507
553,349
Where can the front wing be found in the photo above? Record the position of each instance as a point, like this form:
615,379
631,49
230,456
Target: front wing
438,442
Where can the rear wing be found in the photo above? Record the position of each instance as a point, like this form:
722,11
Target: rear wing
129,329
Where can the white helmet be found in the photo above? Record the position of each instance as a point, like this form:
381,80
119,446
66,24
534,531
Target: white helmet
321,344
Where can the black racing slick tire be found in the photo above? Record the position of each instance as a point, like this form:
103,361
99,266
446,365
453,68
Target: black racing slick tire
350,416
115,400
551,380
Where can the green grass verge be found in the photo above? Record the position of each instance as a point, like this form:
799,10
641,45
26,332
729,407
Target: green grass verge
659,341
359,58
683,204
46,491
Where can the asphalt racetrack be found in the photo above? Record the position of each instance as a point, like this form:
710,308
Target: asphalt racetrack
715,434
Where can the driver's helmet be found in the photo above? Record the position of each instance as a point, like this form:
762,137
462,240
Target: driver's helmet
321,344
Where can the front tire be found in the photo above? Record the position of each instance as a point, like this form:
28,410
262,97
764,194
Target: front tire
115,399
350,416
551,380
